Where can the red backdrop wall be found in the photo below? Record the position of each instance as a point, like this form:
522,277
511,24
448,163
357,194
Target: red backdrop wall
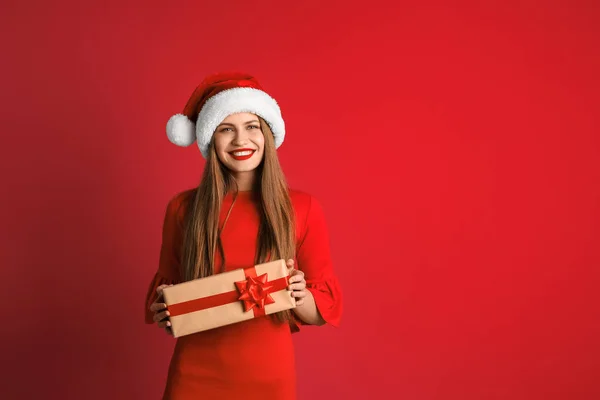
454,148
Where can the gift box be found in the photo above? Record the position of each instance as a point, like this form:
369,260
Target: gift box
228,298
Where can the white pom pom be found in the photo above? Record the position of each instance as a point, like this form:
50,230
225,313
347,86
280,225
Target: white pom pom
181,131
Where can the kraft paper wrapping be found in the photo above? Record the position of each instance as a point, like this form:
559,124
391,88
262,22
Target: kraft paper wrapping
213,301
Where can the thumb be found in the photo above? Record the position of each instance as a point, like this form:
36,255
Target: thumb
161,287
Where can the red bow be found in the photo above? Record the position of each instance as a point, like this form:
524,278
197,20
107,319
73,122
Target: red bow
255,292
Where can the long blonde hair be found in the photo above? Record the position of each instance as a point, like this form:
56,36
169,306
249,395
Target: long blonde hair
201,235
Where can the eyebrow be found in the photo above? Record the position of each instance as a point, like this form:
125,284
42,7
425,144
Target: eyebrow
254,121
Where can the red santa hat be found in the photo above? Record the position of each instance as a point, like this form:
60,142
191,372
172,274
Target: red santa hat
217,97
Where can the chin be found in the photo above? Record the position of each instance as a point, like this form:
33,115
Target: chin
242,169
235,166
247,169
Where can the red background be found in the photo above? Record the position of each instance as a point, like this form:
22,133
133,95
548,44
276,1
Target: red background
454,148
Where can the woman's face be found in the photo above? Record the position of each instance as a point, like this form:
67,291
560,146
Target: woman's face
239,142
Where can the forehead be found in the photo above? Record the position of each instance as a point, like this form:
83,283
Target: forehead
240,118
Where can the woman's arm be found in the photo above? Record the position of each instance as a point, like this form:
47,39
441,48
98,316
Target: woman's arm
321,296
306,308
308,311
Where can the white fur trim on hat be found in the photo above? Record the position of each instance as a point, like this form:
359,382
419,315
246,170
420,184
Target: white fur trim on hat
236,100
180,130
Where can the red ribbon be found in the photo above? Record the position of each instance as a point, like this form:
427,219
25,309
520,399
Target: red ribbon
254,292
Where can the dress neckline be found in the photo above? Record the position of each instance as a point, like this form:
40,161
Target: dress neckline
241,194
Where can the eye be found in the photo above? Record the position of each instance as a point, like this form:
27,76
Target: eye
253,126
225,129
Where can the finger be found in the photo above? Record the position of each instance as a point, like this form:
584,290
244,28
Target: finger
299,302
161,316
297,286
157,306
169,330
299,294
164,324
161,287
296,278
296,272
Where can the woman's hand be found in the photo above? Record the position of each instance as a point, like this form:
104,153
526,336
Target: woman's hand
161,314
297,283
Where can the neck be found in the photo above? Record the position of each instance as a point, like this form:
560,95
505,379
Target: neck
245,180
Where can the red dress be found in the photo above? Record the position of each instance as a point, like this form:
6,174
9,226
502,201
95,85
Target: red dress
220,363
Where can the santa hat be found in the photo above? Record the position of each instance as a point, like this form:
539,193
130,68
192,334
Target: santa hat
217,97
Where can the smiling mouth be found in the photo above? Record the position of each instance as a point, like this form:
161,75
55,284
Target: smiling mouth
242,155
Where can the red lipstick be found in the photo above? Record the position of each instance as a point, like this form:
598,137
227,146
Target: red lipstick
241,158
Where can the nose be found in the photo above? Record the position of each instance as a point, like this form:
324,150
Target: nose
241,137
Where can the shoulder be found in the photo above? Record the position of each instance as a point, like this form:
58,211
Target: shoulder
311,223
304,202
178,203
300,200
306,206
183,196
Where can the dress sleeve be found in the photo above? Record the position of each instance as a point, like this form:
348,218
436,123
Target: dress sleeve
314,259
168,271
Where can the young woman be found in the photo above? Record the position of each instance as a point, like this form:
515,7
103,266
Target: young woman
241,214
